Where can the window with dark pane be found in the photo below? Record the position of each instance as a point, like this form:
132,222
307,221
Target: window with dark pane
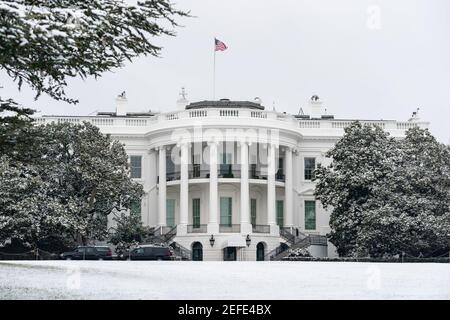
310,167
280,213
196,213
253,211
136,167
310,215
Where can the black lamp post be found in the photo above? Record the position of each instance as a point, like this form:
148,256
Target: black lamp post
212,240
248,240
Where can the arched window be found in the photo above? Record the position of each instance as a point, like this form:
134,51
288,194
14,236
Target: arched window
260,251
197,251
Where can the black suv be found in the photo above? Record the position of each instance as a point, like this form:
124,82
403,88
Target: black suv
88,253
147,252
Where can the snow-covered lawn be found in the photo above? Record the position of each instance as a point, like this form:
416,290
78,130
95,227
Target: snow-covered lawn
222,280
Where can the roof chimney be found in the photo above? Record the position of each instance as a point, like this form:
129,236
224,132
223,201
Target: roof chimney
415,116
121,105
316,107
182,102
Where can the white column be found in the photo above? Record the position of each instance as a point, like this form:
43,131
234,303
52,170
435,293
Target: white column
246,226
152,215
213,224
289,218
162,191
271,195
184,185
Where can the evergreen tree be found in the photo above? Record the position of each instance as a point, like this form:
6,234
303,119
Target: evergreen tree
387,197
361,160
43,43
129,231
82,178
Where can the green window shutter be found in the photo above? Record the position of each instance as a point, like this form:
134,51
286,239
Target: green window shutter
226,211
253,211
310,215
135,208
170,212
136,167
196,212
280,213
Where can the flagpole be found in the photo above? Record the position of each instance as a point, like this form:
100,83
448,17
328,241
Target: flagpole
214,72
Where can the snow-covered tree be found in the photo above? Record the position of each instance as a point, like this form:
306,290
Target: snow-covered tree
128,231
27,212
43,43
91,174
81,178
361,159
387,196
411,214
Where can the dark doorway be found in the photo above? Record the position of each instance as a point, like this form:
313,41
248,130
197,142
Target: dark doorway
260,251
197,252
229,254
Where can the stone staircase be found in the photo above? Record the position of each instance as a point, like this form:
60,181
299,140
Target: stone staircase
164,236
298,240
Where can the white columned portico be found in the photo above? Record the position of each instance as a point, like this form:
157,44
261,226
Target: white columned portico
271,194
246,226
289,218
213,224
162,190
184,189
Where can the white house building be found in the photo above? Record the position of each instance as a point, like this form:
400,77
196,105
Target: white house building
229,180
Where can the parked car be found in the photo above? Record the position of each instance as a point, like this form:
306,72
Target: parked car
88,253
147,252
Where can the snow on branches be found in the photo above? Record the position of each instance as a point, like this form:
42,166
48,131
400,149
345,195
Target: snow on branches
42,43
387,196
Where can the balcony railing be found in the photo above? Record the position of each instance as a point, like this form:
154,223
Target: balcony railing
229,171
260,228
196,173
230,228
199,228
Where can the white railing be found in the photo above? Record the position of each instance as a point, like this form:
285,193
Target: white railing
136,122
172,116
102,122
407,125
198,113
217,113
258,114
345,124
309,124
229,113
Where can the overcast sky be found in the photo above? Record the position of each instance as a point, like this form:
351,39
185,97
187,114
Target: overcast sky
367,59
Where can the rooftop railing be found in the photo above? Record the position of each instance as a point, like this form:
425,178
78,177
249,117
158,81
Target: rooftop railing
226,113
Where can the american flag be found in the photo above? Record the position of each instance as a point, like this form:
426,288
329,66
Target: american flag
220,46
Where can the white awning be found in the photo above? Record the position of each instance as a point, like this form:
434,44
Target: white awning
234,241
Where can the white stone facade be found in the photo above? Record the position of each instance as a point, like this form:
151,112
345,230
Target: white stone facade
229,170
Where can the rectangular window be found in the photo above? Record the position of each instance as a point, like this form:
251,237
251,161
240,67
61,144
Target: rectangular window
310,215
135,207
280,164
136,167
226,166
196,213
280,213
170,168
170,212
226,211
310,166
196,166
253,211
